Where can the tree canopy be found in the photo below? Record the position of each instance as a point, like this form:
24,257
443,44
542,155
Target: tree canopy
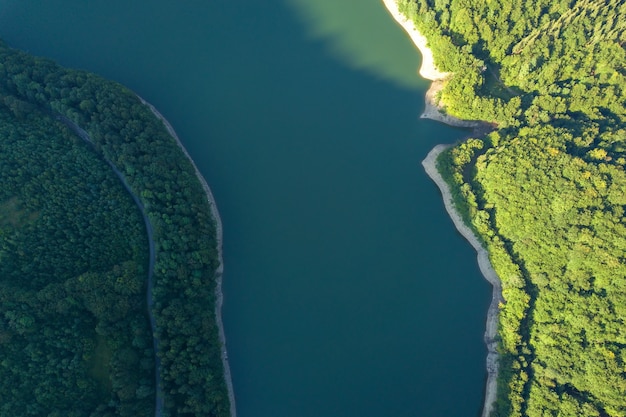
546,191
74,334
126,134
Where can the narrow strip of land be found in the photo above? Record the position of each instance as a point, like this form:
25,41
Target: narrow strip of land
149,230
430,166
220,270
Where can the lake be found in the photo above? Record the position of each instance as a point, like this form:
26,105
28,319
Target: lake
348,292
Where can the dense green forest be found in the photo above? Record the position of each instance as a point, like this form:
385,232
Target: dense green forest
74,333
126,134
546,191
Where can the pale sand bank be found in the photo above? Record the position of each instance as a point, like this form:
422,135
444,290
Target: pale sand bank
430,165
220,270
429,71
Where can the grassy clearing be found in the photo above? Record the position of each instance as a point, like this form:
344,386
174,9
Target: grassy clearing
99,364
14,216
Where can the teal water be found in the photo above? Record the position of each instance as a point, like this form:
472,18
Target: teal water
347,290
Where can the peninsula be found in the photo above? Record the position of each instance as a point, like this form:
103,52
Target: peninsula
183,283
220,269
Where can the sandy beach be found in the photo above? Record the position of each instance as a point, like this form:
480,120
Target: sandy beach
428,70
485,268
220,270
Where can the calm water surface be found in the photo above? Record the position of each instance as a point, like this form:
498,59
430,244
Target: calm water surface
347,290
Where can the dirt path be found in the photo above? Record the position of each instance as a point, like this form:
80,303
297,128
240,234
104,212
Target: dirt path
150,232
158,409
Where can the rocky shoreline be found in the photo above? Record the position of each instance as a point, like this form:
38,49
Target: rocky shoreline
220,270
433,111
430,166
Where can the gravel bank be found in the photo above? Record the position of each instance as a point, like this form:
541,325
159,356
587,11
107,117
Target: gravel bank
430,165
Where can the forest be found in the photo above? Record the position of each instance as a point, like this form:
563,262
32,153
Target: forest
74,333
546,191
88,285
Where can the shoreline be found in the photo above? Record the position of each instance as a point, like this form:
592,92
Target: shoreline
429,71
220,269
434,111
491,331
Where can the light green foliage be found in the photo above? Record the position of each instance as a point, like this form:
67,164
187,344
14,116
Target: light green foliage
559,214
562,57
547,192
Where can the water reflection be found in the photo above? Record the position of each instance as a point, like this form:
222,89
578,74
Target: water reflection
362,35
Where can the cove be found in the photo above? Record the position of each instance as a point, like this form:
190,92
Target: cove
347,290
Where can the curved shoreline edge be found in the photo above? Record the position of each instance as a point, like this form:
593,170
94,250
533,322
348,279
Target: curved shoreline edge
429,71
433,111
220,269
430,166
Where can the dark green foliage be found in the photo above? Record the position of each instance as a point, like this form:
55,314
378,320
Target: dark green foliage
128,135
72,279
547,191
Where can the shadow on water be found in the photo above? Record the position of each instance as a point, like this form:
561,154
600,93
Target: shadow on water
354,33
